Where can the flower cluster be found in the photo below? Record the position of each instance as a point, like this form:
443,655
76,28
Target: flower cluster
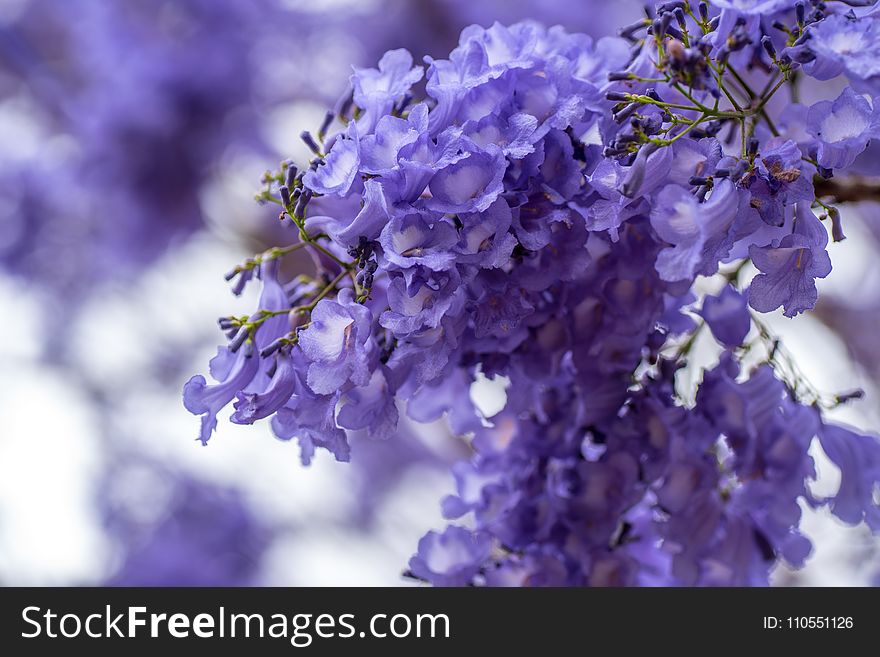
205,536
137,103
540,217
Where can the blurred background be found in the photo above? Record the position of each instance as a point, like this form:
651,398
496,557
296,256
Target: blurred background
132,138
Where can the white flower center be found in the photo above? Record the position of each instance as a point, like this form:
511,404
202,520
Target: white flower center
845,123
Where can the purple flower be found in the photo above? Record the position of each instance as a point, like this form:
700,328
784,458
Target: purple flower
311,419
538,224
207,536
515,135
470,184
778,181
370,406
452,558
843,128
253,406
500,306
858,457
369,221
376,90
751,7
485,237
790,266
693,157
692,228
380,151
422,303
337,172
841,44
411,240
235,371
337,344
727,314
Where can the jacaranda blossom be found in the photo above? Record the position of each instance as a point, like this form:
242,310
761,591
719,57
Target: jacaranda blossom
562,216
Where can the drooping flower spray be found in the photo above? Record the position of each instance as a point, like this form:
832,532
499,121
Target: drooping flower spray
549,212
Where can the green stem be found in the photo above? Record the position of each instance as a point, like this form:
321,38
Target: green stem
323,293
667,142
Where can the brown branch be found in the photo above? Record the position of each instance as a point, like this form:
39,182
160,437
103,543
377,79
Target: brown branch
849,190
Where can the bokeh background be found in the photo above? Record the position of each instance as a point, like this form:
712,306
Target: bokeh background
132,138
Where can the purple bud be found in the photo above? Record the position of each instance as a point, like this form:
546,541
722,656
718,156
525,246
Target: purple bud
661,25
301,203
273,346
768,46
290,176
325,124
803,56
753,146
618,96
343,105
674,32
836,226
802,39
625,113
680,17
617,76
239,339
628,31
703,8
285,195
306,136
672,5
739,170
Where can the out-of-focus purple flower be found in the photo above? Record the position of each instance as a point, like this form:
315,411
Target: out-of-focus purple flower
751,7
858,457
206,536
842,44
451,558
727,314
146,97
843,128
